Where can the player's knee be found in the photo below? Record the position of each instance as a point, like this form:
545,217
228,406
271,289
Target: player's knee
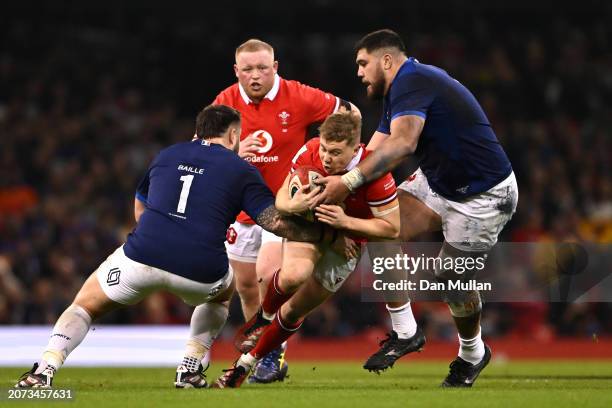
462,303
290,282
469,306
247,289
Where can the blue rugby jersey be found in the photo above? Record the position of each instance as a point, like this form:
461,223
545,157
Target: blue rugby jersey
193,191
457,150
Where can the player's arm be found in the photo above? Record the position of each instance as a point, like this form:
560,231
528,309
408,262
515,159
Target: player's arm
142,191
298,229
258,203
384,225
405,132
376,140
302,201
403,140
139,208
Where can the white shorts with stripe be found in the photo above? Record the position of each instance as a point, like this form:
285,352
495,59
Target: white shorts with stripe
128,282
244,240
473,224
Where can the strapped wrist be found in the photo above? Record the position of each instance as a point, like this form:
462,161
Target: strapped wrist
353,179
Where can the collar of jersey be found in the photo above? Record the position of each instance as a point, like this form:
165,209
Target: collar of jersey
353,163
270,95
410,60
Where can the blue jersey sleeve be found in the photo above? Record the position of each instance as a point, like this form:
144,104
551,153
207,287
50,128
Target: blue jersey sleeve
142,191
410,94
384,126
256,196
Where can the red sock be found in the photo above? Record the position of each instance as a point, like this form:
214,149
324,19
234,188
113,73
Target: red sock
273,336
275,297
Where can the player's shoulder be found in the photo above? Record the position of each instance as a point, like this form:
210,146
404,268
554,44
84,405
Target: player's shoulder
229,96
312,146
293,87
175,148
307,151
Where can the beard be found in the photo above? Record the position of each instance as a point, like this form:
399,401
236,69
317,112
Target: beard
376,89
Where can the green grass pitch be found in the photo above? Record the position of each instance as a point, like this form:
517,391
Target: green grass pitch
344,384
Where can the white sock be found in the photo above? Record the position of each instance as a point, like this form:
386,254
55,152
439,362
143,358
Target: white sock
403,321
68,332
247,361
207,321
268,316
472,350
206,360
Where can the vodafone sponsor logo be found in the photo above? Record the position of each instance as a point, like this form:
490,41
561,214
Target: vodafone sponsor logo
266,141
262,159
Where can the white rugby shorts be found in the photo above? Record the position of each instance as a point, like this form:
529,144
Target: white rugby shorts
128,282
474,224
332,270
244,240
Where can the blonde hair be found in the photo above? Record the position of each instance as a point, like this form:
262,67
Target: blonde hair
342,126
254,45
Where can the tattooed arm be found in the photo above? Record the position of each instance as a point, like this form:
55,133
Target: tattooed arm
292,228
297,229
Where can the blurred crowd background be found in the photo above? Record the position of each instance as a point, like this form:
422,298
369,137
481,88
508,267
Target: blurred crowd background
89,93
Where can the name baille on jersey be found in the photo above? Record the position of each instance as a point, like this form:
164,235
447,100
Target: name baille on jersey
190,169
280,122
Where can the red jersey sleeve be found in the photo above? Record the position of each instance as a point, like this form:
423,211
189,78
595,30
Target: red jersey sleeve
304,156
317,105
220,100
381,191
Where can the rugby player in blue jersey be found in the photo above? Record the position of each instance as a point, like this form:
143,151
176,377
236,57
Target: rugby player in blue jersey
464,186
189,196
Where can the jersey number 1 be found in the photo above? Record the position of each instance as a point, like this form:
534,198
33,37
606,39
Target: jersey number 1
187,180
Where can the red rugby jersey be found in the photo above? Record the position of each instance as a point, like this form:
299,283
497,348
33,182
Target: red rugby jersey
374,194
281,121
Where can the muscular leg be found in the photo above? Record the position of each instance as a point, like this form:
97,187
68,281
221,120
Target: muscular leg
269,260
297,266
207,321
290,316
286,322
246,286
72,326
310,295
416,219
465,307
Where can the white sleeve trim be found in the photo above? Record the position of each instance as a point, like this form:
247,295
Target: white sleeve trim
337,105
299,153
381,202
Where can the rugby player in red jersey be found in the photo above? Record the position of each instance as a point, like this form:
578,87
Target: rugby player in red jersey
276,114
311,273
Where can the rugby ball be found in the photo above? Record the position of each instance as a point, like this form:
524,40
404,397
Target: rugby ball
302,176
